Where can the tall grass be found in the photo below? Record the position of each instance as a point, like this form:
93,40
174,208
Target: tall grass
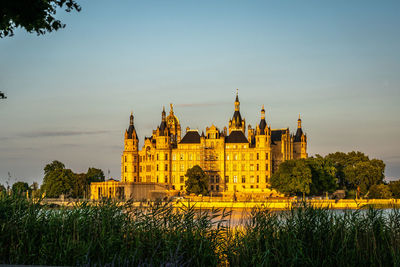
159,235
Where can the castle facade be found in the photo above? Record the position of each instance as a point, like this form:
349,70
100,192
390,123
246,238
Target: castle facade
232,160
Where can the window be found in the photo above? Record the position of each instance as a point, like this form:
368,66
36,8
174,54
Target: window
266,155
243,179
227,157
148,168
251,156
173,156
235,157
182,167
235,179
157,167
157,178
190,156
134,168
211,179
252,179
125,168
258,156
140,168
243,156
243,167
125,158
258,179
173,179
134,158
166,156
166,167
226,179
217,187
217,179
181,156
157,156
258,167
266,179
235,167
181,187
212,188
266,167
251,167
174,167
181,179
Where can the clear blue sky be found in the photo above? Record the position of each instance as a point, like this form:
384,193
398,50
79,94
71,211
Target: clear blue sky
70,92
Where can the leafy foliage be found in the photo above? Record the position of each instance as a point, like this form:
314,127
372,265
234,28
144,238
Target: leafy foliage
19,188
33,15
323,175
197,181
59,180
293,176
395,188
380,191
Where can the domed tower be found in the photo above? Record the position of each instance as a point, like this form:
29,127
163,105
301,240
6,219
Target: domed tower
174,126
130,159
237,123
299,142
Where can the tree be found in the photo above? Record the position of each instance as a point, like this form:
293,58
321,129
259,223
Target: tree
79,185
197,181
19,188
379,191
33,15
363,175
95,175
292,177
395,188
57,180
323,175
341,160
2,189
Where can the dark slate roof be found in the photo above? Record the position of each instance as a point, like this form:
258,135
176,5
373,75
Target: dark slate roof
236,137
163,126
131,129
299,133
191,137
237,117
262,125
276,135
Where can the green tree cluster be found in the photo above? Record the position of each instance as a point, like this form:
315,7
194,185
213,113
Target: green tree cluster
353,172
59,180
307,176
197,181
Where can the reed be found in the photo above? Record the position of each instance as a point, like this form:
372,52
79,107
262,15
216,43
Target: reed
115,234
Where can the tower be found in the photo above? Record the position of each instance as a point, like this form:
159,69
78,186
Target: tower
173,126
299,142
130,159
237,123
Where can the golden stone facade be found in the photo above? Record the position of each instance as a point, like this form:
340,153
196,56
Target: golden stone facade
234,161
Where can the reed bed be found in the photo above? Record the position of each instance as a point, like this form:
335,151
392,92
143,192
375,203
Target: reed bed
114,234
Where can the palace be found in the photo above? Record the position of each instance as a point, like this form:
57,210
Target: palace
233,161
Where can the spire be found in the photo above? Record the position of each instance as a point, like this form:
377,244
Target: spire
237,103
299,122
262,113
131,119
163,114
171,110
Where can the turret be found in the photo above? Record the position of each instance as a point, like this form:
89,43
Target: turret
129,160
237,123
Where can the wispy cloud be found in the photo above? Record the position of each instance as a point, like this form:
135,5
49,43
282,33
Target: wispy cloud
60,133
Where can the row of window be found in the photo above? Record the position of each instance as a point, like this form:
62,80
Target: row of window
252,179
191,157
234,167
